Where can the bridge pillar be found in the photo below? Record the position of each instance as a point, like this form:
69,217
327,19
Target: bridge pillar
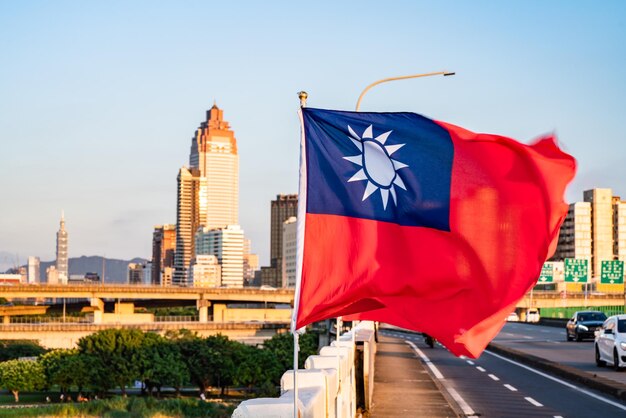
99,311
203,309
6,319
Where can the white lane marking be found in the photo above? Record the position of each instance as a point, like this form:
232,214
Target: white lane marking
511,388
494,377
544,331
467,410
564,383
470,362
480,369
558,416
426,360
532,401
528,337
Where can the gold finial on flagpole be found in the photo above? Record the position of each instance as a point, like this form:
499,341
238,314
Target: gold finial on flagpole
302,95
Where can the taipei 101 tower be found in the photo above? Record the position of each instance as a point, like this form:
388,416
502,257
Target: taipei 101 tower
62,264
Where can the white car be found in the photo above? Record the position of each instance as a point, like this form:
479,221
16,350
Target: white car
610,343
532,315
513,317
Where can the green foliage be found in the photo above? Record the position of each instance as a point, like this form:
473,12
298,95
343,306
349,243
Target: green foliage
258,368
10,350
21,375
175,311
222,365
68,368
199,359
281,345
163,365
115,355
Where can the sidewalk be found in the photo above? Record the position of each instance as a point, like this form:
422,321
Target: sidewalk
402,387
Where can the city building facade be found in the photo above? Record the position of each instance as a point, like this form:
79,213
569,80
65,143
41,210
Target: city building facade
163,248
289,253
250,263
34,275
227,245
205,271
594,230
284,207
135,273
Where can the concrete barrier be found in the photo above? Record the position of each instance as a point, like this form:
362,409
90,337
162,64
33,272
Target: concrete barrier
331,384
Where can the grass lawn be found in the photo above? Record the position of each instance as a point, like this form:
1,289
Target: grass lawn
118,407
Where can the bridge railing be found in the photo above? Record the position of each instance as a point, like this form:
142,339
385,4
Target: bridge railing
49,320
179,318
327,387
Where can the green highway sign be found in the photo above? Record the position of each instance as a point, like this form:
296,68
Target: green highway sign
612,272
576,270
547,273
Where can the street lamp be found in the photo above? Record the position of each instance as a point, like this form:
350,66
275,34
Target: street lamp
404,77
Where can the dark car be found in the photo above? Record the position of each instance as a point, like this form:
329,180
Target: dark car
584,325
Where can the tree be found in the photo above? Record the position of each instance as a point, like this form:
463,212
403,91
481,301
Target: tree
166,368
281,345
10,350
21,375
115,355
199,359
257,368
67,368
222,363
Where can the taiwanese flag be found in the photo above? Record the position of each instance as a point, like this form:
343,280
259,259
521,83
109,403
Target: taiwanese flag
422,224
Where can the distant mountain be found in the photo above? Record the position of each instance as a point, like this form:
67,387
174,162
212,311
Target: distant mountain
115,270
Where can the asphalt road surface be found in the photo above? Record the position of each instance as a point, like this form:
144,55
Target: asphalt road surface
493,386
550,343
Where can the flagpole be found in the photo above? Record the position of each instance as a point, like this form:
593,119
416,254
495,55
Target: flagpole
302,95
404,77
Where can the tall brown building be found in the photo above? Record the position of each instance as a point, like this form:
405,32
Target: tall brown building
163,248
208,191
284,207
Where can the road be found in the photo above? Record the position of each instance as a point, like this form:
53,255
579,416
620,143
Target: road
550,343
493,386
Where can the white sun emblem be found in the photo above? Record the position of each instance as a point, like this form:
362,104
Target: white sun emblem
377,166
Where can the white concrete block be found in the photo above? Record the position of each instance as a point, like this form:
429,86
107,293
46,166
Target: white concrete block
313,401
267,408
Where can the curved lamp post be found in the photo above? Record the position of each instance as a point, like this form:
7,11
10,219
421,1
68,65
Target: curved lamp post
404,77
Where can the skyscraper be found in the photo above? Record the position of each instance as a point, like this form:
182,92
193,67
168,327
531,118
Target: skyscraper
208,191
191,214
163,247
214,154
61,263
284,207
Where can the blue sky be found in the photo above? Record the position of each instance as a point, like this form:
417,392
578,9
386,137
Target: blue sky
99,101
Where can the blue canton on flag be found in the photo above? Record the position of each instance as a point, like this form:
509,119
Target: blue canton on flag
393,167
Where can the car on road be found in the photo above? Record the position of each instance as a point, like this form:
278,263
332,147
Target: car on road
584,324
532,315
513,317
610,342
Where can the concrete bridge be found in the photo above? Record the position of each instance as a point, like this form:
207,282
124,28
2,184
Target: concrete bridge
208,300
60,335
544,299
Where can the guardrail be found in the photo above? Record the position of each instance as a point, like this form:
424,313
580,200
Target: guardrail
331,385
